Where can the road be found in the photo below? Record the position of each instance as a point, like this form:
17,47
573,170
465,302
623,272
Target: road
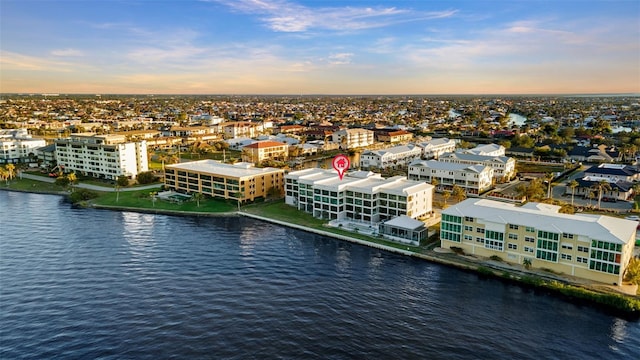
88,186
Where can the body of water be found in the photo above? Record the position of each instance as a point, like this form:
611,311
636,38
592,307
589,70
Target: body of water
86,284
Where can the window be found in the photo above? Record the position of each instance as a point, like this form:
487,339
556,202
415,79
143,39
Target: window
529,229
581,259
480,230
529,239
566,257
513,236
512,246
528,249
567,246
468,228
583,249
470,219
513,227
567,236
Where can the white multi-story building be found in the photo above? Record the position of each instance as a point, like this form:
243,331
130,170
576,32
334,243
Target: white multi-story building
433,148
361,196
102,156
353,138
389,158
474,179
487,150
504,167
589,246
16,145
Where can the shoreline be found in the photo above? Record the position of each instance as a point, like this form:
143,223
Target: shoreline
572,291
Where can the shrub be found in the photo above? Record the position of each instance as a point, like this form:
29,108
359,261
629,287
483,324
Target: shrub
146,177
82,195
495,258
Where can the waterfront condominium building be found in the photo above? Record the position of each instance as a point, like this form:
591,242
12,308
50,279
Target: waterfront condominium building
389,158
504,168
239,181
594,247
432,149
474,179
16,145
361,196
102,156
353,138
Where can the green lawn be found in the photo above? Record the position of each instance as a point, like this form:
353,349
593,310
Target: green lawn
31,185
143,199
278,210
538,168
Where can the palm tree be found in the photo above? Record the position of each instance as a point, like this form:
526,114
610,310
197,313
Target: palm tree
602,186
239,195
174,159
526,263
163,158
4,175
72,179
548,177
10,171
573,184
198,196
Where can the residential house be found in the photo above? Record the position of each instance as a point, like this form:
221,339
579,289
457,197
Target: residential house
474,179
504,168
389,158
432,149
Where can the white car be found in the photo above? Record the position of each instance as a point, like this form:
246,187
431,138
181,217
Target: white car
633,217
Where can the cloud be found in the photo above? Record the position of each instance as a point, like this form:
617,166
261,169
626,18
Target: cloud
15,61
284,16
67,52
340,59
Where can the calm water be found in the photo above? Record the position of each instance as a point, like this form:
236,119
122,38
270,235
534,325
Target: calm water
90,284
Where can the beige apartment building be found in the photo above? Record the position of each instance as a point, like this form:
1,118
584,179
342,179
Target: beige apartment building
240,181
594,247
265,150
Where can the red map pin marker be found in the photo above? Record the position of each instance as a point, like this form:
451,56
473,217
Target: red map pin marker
341,164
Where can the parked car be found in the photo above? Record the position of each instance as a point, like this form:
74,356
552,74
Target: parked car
609,199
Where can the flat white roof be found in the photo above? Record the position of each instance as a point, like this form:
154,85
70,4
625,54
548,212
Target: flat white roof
440,165
404,222
547,218
239,170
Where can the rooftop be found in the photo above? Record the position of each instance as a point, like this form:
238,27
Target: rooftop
239,170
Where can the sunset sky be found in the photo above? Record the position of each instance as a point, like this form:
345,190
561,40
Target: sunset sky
319,47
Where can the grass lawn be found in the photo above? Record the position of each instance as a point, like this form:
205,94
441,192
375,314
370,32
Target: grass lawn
216,155
32,185
143,199
538,168
278,210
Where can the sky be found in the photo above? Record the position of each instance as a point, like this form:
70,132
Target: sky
352,47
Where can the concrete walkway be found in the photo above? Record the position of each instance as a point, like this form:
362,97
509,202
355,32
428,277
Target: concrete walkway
88,186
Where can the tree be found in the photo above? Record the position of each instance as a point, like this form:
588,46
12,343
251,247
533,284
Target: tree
146,177
163,158
458,193
4,175
632,273
526,263
446,195
197,197
62,181
239,195
532,192
602,186
72,179
11,173
122,181
573,184
434,182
